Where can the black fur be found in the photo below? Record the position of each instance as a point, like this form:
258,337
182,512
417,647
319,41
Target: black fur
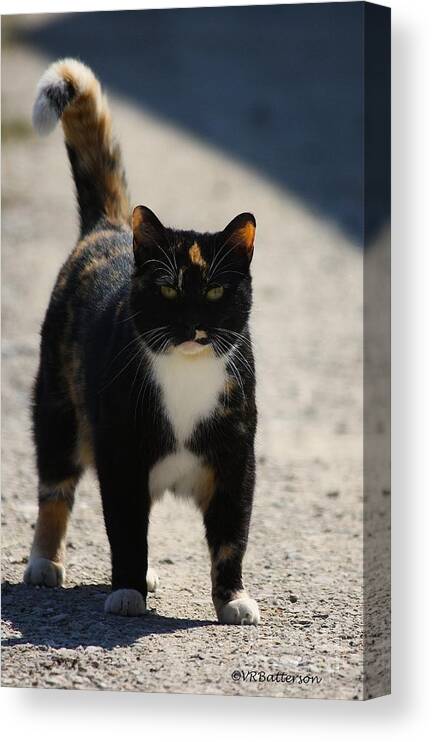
60,95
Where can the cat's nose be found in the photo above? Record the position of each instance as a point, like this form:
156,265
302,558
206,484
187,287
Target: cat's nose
194,332
201,337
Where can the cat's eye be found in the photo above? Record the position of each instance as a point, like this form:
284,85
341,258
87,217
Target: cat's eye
168,292
215,293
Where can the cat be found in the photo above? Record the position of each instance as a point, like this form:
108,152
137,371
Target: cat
146,368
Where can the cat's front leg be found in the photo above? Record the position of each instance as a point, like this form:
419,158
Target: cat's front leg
226,520
125,501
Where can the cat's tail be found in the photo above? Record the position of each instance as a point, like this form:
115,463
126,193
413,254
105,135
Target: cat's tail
69,91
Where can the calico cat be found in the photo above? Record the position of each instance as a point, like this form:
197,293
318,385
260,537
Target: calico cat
146,368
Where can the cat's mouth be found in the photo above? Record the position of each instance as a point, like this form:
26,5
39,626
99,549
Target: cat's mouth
192,348
196,346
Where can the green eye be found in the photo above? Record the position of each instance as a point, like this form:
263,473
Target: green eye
168,292
215,293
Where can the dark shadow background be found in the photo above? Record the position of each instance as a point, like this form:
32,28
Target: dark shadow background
279,87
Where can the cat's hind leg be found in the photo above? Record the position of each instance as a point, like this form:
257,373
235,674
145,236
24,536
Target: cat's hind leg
56,439
47,556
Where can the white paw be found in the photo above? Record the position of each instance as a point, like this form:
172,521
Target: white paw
152,580
243,611
125,602
41,571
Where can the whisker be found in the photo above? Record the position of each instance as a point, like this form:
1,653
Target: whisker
136,354
133,383
168,267
240,357
154,329
134,340
237,335
234,332
126,319
231,365
156,337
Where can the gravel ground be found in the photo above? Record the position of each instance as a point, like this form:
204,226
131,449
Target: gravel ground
304,562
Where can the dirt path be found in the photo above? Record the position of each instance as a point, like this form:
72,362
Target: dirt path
304,559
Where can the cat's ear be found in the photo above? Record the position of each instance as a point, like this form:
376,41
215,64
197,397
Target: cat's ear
240,234
148,233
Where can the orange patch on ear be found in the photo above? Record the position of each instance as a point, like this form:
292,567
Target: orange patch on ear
196,257
246,236
148,232
137,221
137,218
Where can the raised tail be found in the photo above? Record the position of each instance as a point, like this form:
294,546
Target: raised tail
69,91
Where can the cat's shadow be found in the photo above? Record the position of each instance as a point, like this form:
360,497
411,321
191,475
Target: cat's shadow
67,618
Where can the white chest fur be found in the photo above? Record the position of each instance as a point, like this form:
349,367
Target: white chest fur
190,391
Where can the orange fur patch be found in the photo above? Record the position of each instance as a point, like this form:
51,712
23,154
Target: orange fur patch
87,128
226,551
196,257
230,386
246,236
207,489
51,529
